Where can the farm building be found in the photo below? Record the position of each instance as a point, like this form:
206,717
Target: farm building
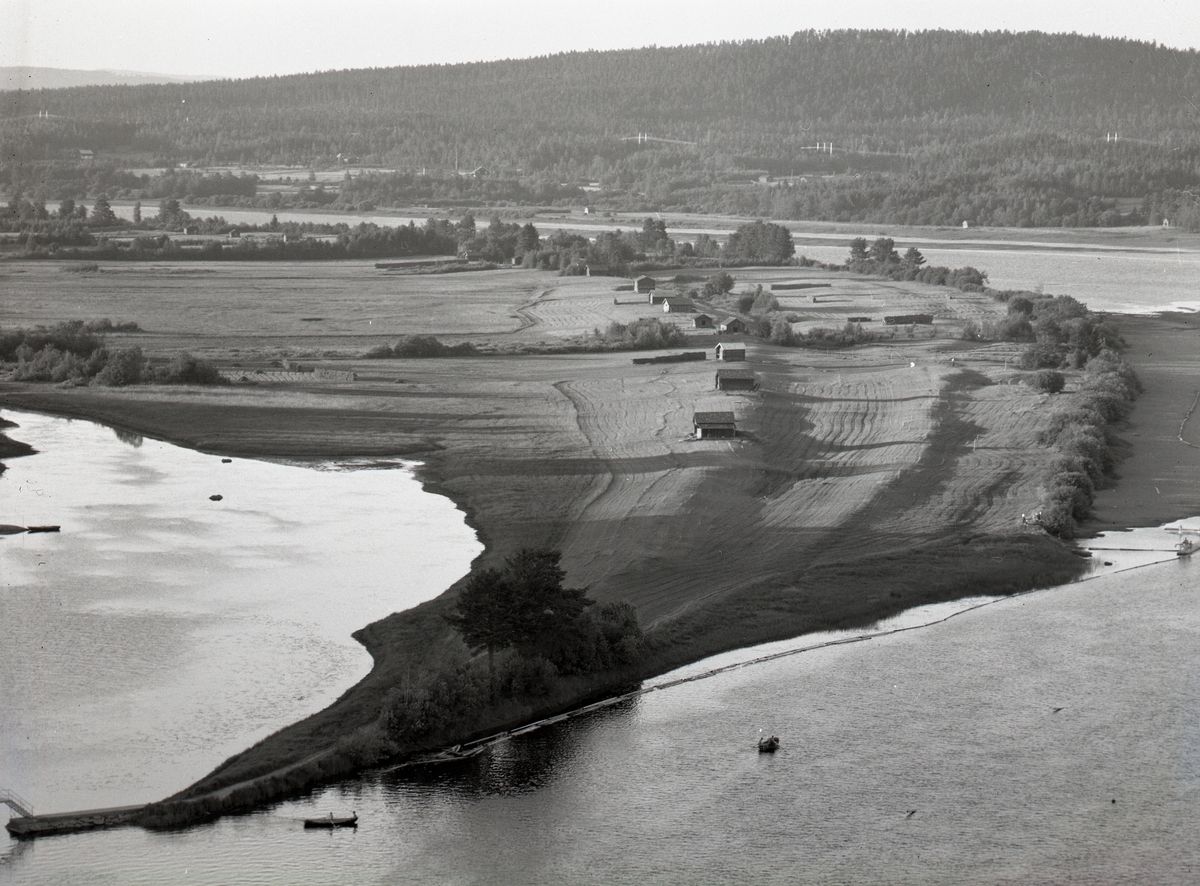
736,380
657,298
730,351
714,424
644,284
678,306
734,325
702,321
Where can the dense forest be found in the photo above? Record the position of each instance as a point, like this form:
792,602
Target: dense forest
933,127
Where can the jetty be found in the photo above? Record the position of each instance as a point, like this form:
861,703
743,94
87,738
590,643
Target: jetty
26,824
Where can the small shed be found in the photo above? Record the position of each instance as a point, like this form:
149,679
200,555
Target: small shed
730,351
657,298
736,380
735,325
644,284
673,305
714,424
702,321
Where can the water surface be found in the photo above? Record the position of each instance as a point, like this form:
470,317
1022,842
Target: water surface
160,632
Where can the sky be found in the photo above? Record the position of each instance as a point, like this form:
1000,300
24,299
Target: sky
250,38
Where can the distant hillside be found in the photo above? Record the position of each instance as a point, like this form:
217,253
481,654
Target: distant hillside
62,78
928,127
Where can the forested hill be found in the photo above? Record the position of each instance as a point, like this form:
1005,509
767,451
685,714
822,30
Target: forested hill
1017,109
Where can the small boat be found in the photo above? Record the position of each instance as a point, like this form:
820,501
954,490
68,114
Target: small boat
43,529
1185,548
768,744
331,821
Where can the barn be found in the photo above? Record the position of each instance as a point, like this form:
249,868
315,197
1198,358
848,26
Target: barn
702,321
734,325
730,351
736,380
714,424
678,306
644,284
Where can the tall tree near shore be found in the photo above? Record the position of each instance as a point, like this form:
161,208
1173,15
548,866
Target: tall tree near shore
483,616
523,606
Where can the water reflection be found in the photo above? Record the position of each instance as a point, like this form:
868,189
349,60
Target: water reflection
134,440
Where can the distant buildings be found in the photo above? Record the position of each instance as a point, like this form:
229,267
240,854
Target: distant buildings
644,284
676,305
731,351
734,325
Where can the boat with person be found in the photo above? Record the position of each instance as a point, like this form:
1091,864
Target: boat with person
332,821
768,744
1185,548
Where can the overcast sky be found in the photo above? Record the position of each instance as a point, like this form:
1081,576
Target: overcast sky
247,38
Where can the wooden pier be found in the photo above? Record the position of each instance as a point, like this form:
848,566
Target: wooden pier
26,824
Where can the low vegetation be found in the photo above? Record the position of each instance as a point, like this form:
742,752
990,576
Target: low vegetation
416,346
75,352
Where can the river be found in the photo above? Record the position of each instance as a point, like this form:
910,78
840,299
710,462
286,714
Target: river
160,631
1048,738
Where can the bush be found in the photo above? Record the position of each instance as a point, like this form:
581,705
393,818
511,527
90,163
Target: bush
123,367
642,335
1049,381
188,370
1040,356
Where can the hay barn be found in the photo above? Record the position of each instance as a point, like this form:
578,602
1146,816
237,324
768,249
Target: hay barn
731,351
736,380
714,424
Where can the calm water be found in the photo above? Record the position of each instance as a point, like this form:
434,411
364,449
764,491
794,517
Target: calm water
160,632
1120,282
987,748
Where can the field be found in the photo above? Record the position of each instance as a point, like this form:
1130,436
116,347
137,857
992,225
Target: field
862,481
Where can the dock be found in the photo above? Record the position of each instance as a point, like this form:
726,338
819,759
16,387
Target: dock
27,826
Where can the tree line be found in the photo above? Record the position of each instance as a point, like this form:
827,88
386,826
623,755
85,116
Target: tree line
932,127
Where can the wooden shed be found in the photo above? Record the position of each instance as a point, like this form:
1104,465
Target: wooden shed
714,424
644,284
736,380
702,321
734,325
730,351
676,305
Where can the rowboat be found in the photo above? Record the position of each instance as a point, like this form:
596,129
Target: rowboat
43,529
1185,548
331,821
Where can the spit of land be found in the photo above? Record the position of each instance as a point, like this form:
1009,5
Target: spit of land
861,481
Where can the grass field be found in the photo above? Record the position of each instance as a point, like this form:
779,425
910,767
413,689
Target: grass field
863,480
